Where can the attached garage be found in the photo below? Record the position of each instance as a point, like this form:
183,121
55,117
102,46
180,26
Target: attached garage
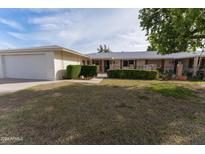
43,63
31,66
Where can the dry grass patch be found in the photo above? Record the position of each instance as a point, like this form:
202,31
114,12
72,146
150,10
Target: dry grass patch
113,112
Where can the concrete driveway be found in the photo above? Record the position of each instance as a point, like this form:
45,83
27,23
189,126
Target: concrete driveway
12,85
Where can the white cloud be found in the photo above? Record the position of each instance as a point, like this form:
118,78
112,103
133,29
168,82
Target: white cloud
17,35
6,45
60,19
45,10
11,23
85,29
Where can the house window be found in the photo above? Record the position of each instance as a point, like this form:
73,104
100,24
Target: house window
125,63
202,64
131,62
96,62
191,62
83,62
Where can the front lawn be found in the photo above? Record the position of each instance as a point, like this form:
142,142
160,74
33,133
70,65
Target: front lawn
113,112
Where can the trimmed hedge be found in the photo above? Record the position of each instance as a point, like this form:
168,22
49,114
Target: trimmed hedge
75,71
133,74
88,71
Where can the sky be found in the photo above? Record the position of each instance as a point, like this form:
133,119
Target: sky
78,29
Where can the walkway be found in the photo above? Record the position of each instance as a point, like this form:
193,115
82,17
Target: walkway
92,81
95,80
13,85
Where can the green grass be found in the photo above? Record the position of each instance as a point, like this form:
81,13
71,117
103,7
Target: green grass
172,90
113,112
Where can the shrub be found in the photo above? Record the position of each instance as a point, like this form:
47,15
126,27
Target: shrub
188,74
73,71
133,74
168,75
199,76
88,70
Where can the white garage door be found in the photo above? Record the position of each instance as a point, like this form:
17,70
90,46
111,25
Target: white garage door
25,66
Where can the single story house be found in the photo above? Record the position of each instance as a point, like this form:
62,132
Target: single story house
147,60
41,63
50,62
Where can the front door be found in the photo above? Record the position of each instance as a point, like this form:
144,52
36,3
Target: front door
106,65
175,65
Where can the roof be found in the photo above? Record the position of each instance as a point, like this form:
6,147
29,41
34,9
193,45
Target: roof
42,49
144,55
110,55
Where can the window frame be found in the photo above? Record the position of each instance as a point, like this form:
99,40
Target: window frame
125,61
128,62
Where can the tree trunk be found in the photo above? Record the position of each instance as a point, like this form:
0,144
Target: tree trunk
195,66
198,64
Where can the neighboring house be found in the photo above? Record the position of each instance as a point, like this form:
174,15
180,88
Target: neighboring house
147,60
42,63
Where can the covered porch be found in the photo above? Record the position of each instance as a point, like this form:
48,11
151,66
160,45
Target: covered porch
112,64
188,64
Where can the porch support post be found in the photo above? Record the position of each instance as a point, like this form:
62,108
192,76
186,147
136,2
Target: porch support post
179,70
112,64
163,65
103,70
195,65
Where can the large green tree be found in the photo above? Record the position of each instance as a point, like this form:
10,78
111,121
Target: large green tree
171,30
174,30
